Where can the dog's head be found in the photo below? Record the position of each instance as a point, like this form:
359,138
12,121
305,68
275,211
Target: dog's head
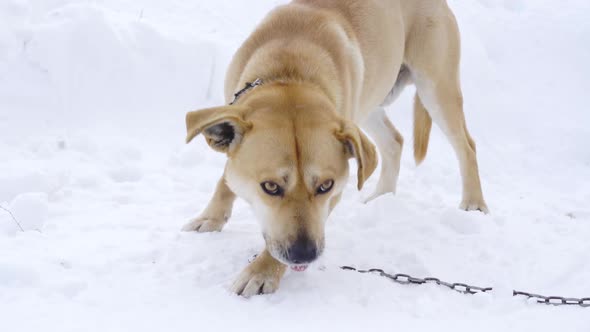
288,154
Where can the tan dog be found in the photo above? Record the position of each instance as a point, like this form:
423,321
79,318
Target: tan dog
327,66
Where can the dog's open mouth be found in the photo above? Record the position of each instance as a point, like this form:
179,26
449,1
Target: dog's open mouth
298,267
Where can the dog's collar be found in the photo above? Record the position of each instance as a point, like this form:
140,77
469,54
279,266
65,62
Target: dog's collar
249,86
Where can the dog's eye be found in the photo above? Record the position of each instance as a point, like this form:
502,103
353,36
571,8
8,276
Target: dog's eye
325,187
271,188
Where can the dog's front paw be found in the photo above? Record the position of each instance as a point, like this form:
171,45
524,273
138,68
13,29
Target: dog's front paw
474,205
204,225
262,276
251,283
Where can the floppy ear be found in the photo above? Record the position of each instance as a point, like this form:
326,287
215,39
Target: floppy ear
223,127
360,147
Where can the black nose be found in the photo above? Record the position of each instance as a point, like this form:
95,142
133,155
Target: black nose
303,250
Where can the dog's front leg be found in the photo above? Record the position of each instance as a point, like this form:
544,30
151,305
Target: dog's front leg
262,276
217,212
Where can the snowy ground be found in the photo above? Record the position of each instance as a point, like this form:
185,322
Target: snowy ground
93,165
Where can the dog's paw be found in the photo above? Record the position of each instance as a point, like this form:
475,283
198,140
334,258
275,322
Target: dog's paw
474,205
377,194
250,283
204,225
383,187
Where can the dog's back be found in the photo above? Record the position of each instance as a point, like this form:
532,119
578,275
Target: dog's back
381,31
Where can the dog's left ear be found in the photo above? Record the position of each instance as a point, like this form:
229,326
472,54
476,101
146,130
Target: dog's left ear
223,127
359,146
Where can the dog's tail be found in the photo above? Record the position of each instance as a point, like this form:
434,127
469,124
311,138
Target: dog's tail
422,126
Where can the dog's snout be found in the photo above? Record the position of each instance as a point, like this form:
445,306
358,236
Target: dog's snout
303,250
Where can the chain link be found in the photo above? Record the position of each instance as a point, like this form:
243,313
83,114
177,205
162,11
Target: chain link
406,279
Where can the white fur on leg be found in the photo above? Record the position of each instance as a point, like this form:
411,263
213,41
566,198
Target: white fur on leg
385,136
204,225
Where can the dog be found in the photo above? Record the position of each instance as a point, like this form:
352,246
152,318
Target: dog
298,92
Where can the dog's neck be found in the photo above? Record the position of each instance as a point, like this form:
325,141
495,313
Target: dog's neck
284,67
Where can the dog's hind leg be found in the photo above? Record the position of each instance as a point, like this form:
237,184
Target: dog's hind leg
389,143
444,104
216,213
439,91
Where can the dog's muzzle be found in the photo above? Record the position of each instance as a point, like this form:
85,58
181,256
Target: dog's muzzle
302,252
299,254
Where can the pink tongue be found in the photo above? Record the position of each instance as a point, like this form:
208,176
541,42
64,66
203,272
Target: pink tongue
298,268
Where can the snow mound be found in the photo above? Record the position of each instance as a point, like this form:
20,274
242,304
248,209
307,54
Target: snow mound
30,210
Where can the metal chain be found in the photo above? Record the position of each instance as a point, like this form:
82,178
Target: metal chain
406,279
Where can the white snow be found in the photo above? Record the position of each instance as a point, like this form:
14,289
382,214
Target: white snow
29,210
93,164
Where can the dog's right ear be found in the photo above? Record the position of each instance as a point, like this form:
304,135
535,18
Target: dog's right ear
223,127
